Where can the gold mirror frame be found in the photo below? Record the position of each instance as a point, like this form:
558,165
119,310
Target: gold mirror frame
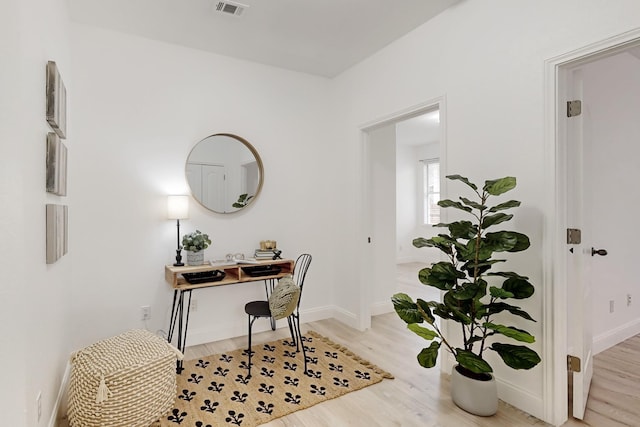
219,176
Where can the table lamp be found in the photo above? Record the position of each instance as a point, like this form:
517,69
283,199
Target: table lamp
178,208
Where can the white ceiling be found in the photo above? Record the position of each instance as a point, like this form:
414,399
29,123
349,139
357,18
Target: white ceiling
321,37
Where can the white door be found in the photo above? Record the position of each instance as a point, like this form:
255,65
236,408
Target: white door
213,188
580,324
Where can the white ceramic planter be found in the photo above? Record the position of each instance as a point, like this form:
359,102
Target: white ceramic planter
474,396
195,258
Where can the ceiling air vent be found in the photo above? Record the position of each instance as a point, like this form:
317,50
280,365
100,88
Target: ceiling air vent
230,8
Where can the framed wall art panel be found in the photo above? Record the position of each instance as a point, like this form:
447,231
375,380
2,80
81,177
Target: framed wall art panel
56,101
57,234
56,165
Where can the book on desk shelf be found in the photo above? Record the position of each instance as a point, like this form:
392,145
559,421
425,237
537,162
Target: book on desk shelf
267,253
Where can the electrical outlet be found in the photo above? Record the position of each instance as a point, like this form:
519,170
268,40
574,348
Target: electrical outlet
610,306
39,405
145,312
628,300
194,305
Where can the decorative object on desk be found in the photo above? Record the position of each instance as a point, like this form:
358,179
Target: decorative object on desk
195,243
56,222
267,254
178,208
266,245
243,200
262,270
214,390
470,299
56,101
56,165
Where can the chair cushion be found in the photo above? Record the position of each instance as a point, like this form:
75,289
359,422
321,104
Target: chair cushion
257,308
284,298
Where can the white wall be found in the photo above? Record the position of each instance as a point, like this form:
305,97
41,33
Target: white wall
611,108
487,59
35,296
139,108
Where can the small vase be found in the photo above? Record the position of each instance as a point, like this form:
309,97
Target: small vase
195,258
477,397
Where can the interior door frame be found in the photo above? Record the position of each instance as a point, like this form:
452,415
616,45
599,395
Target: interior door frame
364,315
555,297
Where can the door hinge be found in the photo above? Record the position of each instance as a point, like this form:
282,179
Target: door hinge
573,363
574,236
574,108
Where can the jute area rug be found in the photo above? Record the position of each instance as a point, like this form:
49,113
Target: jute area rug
215,391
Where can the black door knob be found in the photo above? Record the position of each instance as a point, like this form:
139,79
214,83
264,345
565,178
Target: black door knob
601,252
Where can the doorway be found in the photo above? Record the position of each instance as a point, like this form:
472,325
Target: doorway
393,209
592,183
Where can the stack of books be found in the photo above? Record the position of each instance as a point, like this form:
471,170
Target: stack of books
267,253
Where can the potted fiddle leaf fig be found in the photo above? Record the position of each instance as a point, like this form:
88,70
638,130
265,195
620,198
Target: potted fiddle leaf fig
478,299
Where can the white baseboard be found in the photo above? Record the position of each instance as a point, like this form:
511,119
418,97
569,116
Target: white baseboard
60,405
520,398
615,336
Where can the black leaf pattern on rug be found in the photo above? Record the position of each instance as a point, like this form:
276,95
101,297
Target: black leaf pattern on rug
221,371
194,378
288,353
267,372
290,398
177,416
332,355
290,366
209,406
314,374
225,358
268,347
215,386
362,375
234,419
267,359
201,424
242,379
312,360
246,352
320,391
244,365
202,363
238,397
334,367
265,408
309,349
341,383
264,388
187,395
291,381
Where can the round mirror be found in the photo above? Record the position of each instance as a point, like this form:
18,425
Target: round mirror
224,173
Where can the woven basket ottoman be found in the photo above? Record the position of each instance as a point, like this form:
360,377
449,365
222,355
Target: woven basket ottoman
125,381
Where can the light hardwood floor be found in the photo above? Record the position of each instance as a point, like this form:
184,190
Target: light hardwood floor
421,397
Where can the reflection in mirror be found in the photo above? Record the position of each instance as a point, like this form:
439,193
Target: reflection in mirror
224,173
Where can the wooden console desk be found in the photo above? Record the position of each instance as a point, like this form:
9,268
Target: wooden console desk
234,274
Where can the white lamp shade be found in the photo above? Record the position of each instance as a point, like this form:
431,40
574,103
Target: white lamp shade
178,207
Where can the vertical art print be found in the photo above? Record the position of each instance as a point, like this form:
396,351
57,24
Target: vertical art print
56,165
56,101
57,238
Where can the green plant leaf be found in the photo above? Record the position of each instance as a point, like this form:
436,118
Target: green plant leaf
496,187
458,309
501,241
494,219
425,333
498,307
442,275
516,356
406,309
522,244
451,204
466,291
421,242
425,311
506,205
463,230
473,204
472,362
441,241
463,179
519,287
500,293
428,356
511,332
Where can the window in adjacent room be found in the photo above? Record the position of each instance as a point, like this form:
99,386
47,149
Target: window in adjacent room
431,191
